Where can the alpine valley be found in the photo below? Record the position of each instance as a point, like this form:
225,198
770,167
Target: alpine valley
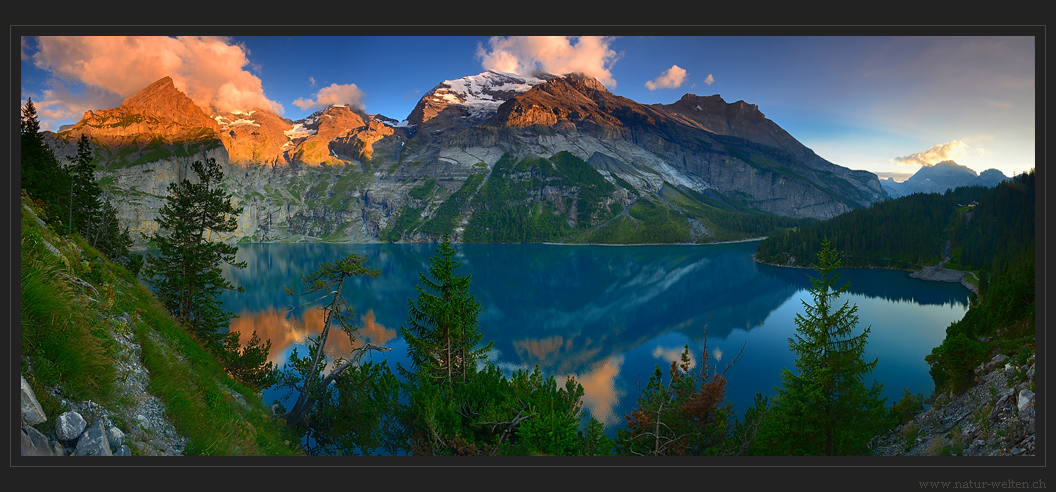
492,157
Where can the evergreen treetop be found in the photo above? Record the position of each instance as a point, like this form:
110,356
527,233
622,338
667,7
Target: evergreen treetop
186,274
443,333
825,407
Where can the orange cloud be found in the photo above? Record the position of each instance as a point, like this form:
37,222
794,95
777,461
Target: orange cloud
600,395
283,332
589,55
937,153
533,350
206,68
671,78
556,354
334,94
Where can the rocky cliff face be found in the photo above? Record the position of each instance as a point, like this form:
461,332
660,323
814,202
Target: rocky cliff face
343,175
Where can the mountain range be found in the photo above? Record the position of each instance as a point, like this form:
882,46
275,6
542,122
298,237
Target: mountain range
560,157
940,177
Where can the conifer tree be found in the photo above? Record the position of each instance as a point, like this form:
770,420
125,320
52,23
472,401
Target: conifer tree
825,407
186,274
41,174
86,204
305,374
443,334
113,240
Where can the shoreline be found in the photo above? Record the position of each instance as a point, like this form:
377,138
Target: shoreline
301,241
641,244
932,273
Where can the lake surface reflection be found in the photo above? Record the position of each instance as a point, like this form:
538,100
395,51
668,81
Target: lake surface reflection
607,315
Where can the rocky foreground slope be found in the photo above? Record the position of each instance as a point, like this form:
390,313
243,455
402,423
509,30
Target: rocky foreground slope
995,417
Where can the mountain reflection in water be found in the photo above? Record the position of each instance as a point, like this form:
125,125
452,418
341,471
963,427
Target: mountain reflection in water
606,315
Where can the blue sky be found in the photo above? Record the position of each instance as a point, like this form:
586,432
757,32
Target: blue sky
883,104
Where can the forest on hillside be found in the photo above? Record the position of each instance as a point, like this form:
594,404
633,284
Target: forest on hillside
974,228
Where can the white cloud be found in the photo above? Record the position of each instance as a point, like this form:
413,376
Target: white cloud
670,79
709,80
673,355
559,55
334,94
950,151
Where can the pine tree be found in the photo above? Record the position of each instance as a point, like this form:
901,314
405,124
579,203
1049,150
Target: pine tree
186,273
113,240
42,176
86,205
825,408
443,334
305,374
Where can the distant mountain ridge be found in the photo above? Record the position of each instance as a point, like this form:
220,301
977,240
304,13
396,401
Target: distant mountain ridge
347,175
942,176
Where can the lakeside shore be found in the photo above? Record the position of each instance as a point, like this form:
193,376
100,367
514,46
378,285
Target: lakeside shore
933,273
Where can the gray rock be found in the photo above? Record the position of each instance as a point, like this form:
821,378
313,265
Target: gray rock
35,443
115,437
93,442
69,425
34,215
999,407
1026,397
31,409
996,361
123,451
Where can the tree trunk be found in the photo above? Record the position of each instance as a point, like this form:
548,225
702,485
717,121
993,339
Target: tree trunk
306,400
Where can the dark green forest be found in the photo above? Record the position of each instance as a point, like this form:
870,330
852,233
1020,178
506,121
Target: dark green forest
913,231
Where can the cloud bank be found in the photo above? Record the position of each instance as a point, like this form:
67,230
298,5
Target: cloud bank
334,94
670,79
559,55
208,69
950,151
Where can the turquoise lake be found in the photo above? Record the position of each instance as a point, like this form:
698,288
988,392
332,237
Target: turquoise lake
608,315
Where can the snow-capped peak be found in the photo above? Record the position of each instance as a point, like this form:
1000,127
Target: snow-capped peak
241,119
484,92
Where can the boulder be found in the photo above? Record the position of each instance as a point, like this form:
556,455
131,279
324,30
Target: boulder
1026,397
32,412
93,442
999,407
115,437
995,362
34,442
69,426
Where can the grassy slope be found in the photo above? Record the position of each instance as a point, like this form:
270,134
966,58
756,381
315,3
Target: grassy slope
66,341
